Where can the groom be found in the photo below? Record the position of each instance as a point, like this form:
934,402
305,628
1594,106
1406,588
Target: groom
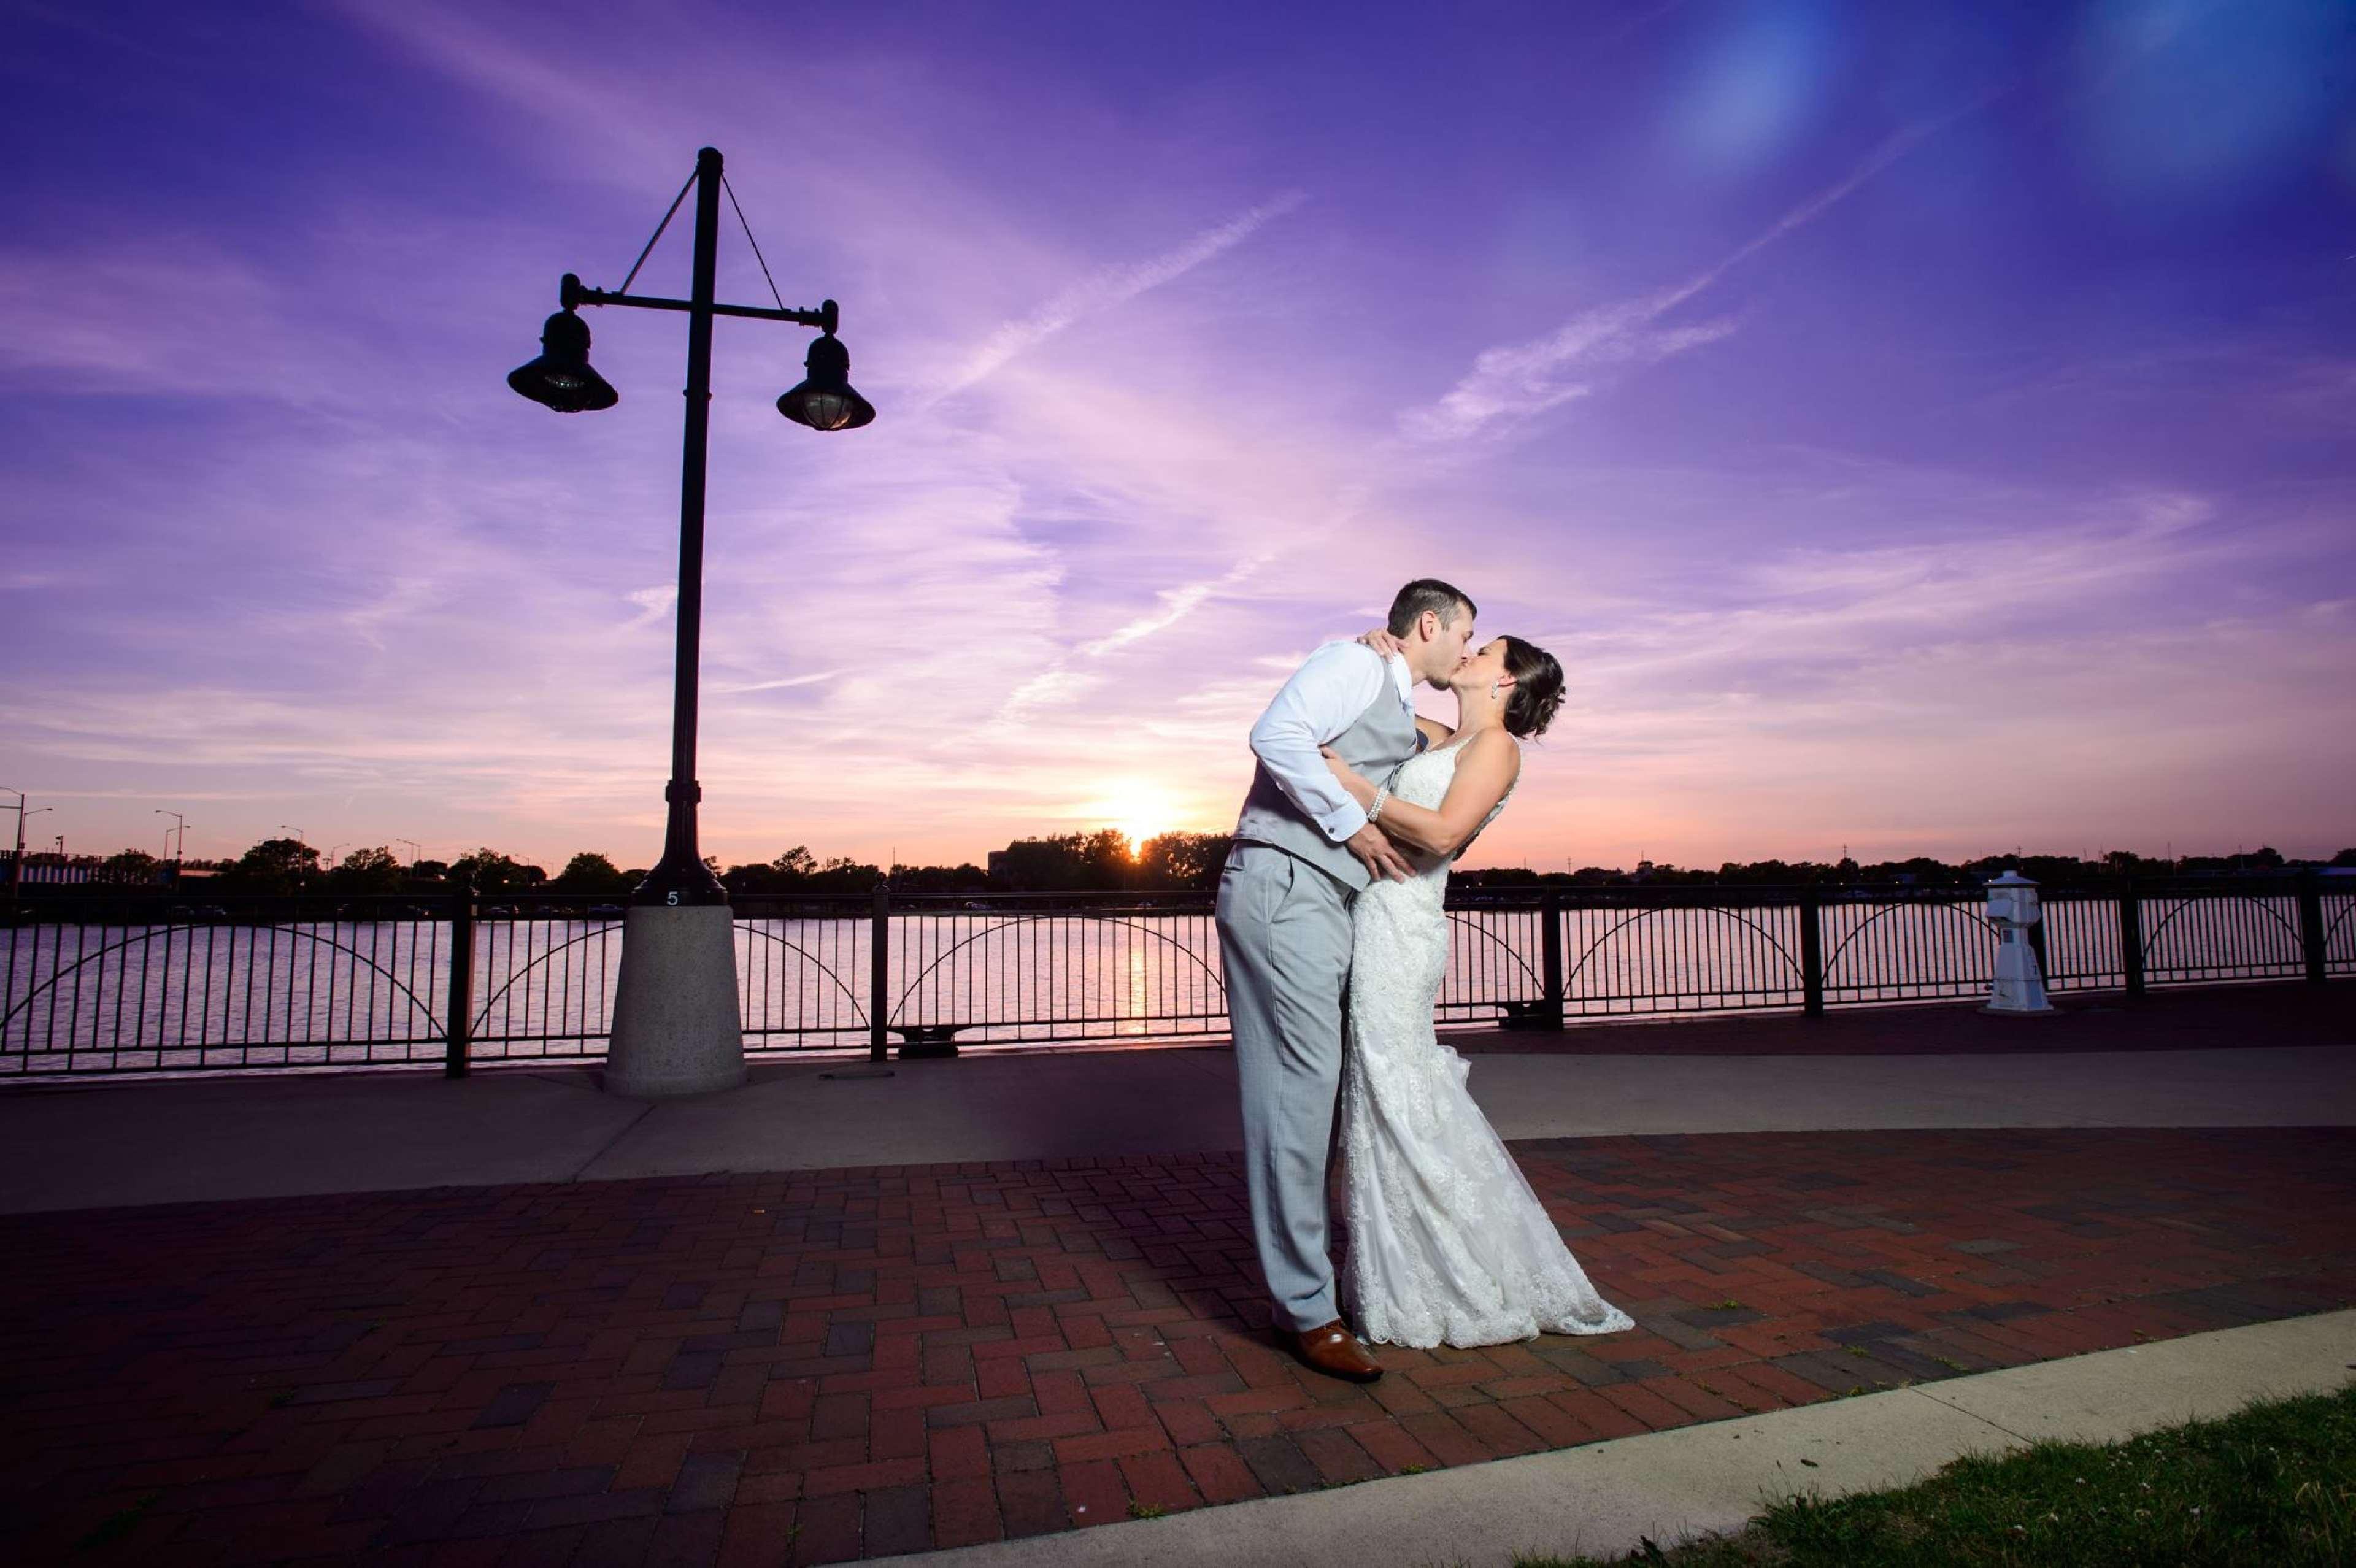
1303,849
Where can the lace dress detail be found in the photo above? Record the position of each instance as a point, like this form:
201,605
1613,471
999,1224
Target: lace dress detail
1447,1242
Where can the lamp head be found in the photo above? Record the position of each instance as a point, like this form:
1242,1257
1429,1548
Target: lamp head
824,401
561,377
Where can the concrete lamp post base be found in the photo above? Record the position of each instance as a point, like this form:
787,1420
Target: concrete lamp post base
676,1026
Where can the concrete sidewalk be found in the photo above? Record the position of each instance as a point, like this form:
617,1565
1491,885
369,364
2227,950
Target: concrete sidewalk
87,1145
1607,1499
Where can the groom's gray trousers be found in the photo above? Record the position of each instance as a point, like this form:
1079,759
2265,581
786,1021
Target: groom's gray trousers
1284,938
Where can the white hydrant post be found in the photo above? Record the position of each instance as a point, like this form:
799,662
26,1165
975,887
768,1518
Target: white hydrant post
2016,987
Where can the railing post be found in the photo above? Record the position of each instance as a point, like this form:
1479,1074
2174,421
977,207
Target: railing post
2310,922
1812,954
1551,950
879,973
2131,935
461,1001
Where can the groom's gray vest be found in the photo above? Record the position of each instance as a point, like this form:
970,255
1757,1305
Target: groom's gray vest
1375,744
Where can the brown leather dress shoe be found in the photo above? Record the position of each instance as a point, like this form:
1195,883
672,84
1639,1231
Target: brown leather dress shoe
1333,1349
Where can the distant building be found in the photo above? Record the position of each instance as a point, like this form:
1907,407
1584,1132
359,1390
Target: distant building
45,868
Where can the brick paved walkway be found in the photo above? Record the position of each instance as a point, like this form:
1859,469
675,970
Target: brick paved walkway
809,1367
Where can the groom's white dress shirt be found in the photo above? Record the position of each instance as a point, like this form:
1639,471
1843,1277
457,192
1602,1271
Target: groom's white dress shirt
1324,697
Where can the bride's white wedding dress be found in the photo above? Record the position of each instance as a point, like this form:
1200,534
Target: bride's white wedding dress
1446,1242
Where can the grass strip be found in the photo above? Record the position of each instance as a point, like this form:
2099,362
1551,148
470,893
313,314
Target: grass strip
116,1525
2273,1486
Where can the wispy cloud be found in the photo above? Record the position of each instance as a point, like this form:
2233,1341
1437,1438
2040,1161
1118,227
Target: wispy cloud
1051,688
519,71
1813,615
1518,381
788,684
175,314
1060,685
398,603
653,604
1175,605
1108,288
1639,21
1865,691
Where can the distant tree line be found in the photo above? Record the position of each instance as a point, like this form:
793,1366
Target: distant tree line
1076,862
1920,871
1103,861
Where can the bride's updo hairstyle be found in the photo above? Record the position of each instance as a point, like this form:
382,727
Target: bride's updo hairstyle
1538,689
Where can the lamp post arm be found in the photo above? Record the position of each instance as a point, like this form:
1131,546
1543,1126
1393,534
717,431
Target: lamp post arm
574,293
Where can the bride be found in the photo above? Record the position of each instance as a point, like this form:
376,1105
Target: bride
1446,1242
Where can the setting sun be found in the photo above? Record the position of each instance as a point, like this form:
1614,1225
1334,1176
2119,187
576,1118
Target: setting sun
1138,811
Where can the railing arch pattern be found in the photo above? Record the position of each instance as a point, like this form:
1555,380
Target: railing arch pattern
105,980
2232,937
546,961
1680,956
1911,962
773,1007
182,993
97,957
1493,961
1038,969
2339,933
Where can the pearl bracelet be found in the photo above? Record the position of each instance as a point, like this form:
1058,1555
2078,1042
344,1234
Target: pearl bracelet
1381,795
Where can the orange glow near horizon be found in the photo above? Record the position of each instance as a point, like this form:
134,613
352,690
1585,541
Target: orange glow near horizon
1137,810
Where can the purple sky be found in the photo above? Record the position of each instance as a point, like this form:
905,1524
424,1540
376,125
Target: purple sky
1923,428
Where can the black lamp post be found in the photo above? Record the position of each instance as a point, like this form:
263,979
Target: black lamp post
562,378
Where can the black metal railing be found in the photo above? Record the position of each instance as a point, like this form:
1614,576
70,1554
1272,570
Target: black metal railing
123,980
1046,966
1680,950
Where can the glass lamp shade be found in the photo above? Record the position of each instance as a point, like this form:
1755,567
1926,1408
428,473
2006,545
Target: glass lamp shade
561,377
824,401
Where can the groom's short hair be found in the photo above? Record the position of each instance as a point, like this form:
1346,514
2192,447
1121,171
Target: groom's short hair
1428,593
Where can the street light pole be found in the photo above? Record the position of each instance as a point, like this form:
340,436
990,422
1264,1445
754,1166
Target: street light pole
302,842
680,876
676,1029
16,861
16,866
179,827
21,815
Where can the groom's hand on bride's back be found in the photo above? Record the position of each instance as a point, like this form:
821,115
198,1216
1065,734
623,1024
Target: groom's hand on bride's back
1378,854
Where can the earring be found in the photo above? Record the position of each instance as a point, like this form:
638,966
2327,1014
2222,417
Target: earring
1495,687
